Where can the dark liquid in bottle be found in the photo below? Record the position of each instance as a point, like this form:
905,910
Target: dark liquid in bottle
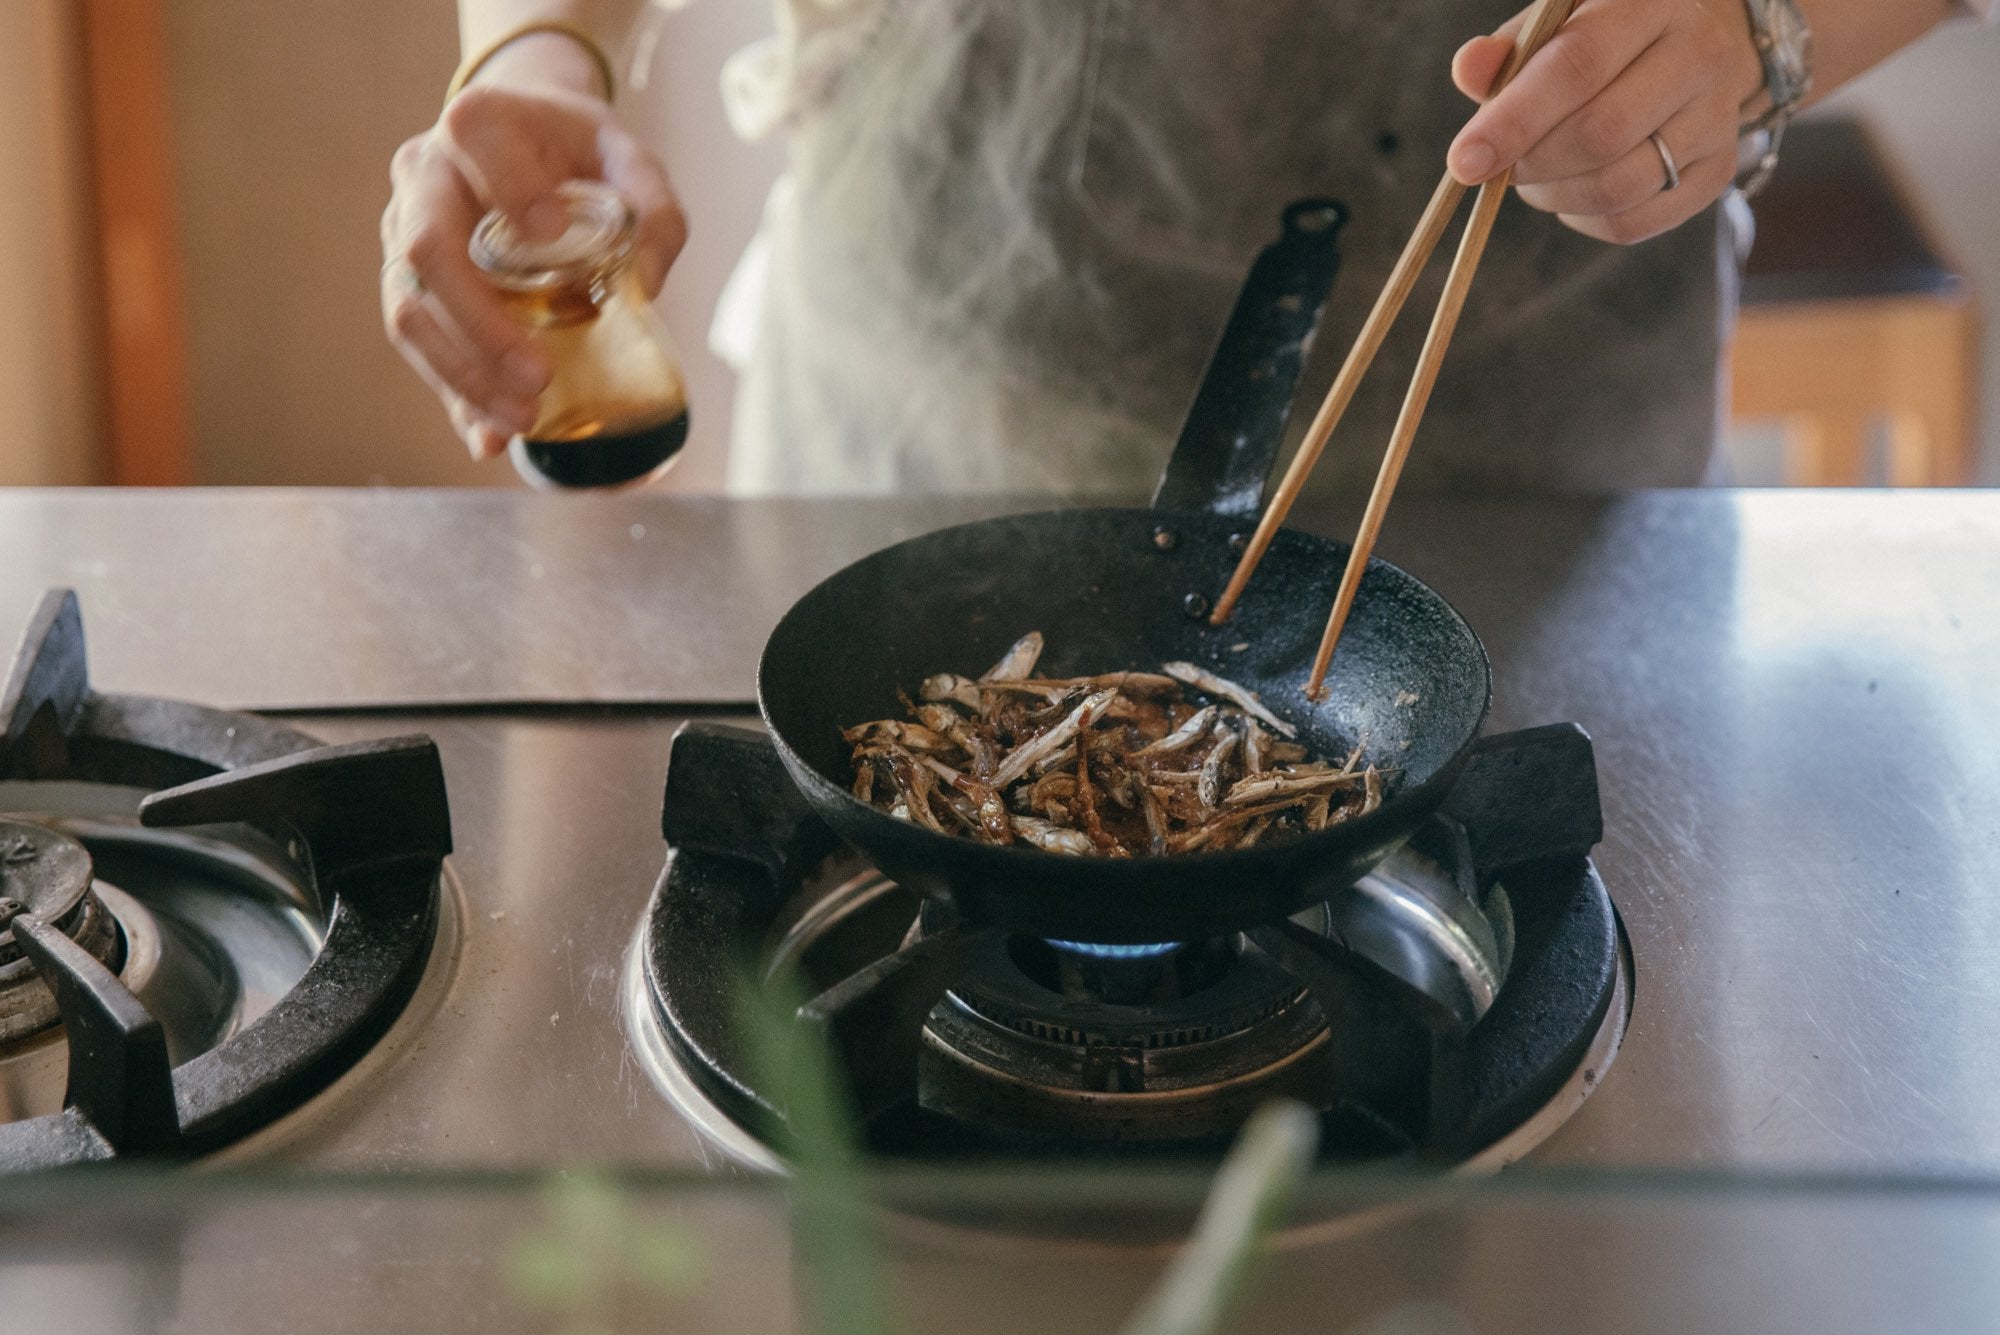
610,459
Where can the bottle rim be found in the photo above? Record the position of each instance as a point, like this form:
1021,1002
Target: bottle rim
597,241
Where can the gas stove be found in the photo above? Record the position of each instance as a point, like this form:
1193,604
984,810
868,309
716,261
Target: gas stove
1793,723
1459,1002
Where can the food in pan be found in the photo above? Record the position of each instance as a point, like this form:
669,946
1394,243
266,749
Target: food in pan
1115,765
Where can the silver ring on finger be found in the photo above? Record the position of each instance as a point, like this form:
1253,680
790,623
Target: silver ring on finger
1667,161
404,276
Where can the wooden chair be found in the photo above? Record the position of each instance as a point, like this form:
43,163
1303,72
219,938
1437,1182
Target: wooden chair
1853,320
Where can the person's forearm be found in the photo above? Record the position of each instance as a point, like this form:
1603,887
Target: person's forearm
1851,36
545,57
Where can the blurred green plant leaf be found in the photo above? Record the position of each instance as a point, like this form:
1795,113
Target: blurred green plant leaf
833,1227
1251,1193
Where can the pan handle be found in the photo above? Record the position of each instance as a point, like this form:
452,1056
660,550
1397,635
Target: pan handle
1231,436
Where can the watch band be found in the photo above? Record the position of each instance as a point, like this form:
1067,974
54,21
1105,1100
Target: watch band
1783,40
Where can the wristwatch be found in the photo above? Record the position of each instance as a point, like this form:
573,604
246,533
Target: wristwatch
1784,45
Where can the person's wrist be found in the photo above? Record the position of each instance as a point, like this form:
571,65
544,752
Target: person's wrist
542,60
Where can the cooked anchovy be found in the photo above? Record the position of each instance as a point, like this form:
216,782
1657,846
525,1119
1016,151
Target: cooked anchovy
1053,838
1098,764
1253,747
910,736
1225,827
1203,680
1019,661
948,686
974,739
990,811
1184,736
1210,785
1279,783
1061,759
1086,803
1146,683
915,786
1017,762
965,692
1156,819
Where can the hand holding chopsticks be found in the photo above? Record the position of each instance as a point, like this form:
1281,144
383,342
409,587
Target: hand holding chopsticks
1548,17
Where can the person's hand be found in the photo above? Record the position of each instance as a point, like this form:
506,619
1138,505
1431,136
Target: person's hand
1576,122
506,144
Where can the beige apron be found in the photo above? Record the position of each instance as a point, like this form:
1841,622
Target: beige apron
1013,229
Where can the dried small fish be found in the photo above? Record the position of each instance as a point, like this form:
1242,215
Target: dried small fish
914,787
1263,787
1145,683
968,693
1061,759
1253,747
1053,838
1019,661
1184,736
1246,700
1156,819
990,808
975,739
1017,762
1210,784
948,686
1318,808
1109,765
909,736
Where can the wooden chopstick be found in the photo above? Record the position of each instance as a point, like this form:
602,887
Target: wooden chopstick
1549,16
1402,279
1470,247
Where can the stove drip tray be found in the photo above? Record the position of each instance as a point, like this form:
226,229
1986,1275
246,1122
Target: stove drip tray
1433,1009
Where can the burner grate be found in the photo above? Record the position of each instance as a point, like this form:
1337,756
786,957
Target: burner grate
1421,1055
367,821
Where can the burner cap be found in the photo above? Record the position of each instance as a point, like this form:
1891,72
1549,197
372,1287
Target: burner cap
42,873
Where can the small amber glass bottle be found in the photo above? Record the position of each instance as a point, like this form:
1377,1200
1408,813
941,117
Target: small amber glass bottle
614,413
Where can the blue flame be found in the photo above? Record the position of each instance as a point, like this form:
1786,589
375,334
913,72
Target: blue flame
1104,952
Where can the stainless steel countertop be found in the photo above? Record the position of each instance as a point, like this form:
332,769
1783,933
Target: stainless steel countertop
357,599
1795,700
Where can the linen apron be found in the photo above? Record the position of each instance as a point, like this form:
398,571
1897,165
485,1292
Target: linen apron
1013,229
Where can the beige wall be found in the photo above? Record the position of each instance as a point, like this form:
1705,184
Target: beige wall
48,432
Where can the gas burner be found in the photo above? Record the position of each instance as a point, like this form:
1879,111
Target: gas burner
46,875
1437,1008
204,917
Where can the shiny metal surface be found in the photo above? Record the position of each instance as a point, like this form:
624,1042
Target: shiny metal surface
333,599
1508,1255
1796,705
